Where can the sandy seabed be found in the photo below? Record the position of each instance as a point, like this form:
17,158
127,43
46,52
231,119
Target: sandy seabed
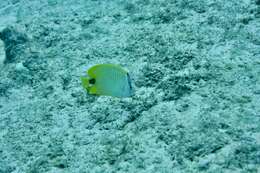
195,66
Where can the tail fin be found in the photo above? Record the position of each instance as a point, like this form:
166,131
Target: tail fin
85,82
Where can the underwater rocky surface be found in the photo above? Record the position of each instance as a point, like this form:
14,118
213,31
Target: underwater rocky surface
196,72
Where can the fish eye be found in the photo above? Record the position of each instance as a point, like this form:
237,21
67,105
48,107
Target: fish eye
92,81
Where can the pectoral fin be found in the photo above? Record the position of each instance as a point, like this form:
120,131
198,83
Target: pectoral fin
93,90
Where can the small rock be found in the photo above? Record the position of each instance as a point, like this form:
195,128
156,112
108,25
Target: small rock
20,67
14,43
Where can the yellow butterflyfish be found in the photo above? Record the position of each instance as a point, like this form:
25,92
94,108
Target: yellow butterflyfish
109,80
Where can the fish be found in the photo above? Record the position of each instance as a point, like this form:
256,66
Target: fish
108,80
